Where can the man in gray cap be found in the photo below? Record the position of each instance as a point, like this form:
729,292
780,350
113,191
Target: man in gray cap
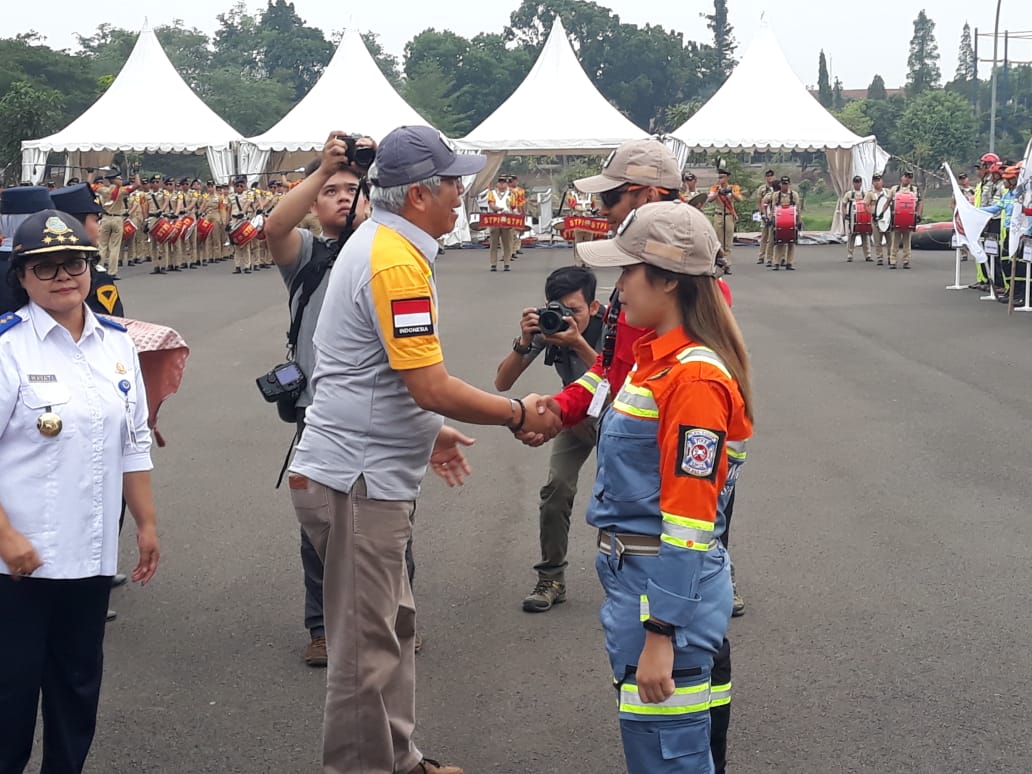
374,426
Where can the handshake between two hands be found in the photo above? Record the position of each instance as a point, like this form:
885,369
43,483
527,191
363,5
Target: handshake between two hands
542,423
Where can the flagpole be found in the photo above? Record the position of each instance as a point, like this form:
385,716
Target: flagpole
992,98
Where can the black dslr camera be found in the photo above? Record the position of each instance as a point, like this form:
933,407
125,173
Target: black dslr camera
359,156
283,385
550,318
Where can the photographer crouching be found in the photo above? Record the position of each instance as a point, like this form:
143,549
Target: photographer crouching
569,331
332,192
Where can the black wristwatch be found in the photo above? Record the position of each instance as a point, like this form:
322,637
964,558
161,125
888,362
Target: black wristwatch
658,628
519,349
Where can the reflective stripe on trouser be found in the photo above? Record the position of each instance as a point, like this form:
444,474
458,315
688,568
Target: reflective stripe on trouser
668,741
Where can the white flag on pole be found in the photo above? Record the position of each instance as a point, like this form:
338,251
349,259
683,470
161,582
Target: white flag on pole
1019,219
968,221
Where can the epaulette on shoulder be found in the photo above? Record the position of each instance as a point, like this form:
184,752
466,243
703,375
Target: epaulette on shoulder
8,320
111,323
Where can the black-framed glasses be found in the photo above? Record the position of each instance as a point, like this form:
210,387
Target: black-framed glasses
73,268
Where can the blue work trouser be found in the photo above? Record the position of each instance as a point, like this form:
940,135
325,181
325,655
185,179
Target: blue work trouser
673,736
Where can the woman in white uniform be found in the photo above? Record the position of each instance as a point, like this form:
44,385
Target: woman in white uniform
74,437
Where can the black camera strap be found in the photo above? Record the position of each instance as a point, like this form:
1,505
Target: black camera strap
324,254
609,340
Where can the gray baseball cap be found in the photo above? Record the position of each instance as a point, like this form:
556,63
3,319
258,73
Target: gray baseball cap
638,162
668,235
413,153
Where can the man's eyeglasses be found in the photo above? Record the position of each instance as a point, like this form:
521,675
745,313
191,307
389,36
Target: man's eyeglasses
73,268
612,197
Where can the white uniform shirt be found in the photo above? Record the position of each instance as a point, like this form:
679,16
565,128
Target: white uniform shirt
64,493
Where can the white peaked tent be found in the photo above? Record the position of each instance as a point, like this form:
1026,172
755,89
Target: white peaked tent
115,122
532,122
764,106
352,95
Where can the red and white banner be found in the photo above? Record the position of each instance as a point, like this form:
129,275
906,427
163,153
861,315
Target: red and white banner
503,220
581,223
968,221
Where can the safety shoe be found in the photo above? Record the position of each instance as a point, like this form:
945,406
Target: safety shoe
315,653
545,594
737,603
430,766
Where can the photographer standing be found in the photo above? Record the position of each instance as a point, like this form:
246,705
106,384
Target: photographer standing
331,193
569,331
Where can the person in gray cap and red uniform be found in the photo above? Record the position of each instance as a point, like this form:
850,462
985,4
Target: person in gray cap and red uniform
374,427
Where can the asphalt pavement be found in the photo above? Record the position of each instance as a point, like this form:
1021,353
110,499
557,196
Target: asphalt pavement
881,542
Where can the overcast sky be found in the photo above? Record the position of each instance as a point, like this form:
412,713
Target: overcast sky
860,38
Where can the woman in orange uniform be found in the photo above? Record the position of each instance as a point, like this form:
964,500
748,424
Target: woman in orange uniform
673,435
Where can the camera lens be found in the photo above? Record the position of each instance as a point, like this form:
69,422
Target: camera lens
550,322
364,157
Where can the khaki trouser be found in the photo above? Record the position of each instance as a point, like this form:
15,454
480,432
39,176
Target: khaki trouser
138,246
766,243
865,244
370,616
501,237
110,242
900,239
784,253
878,237
724,225
579,237
241,253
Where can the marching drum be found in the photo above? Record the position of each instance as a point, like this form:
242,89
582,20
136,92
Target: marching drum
242,233
204,229
162,231
128,230
186,226
786,224
904,211
860,219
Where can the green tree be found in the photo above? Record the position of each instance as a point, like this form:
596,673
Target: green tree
237,42
291,51
837,99
824,95
923,61
27,112
677,115
724,44
251,106
434,96
877,88
388,63
965,56
937,126
188,50
854,117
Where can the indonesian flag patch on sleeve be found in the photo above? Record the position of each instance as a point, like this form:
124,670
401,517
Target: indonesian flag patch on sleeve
412,317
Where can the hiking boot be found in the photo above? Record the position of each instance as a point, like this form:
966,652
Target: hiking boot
429,766
545,594
737,604
315,653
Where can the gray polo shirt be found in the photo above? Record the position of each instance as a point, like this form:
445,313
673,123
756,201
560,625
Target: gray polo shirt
304,354
379,317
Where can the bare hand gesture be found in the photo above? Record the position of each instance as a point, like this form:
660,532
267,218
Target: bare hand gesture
447,459
18,554
529,326
655,673
147,542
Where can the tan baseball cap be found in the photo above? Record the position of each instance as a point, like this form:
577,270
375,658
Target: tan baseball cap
668,235
638,162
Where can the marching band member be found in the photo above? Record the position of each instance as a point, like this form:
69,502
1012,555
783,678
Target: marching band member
241,208
518,202
784,253
873,201
901,237
848,207
724,195
499,200
767,228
